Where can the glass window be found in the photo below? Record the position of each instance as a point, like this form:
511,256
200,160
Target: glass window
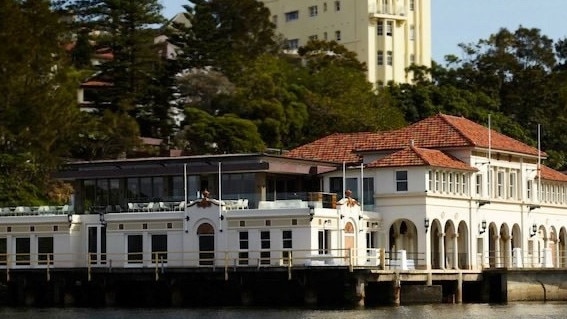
389,28
390,58
23,251
337,6
45,250
401,181
292,15
292,44
159,248
412,5
3,251
529,187
287,243
243,245
500,184
313,11
265,246
412,33
135,249
437,181
380,58
512,185
479,184
338,35
412,58
380,28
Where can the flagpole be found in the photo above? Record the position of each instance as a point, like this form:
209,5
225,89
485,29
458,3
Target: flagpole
185,196
220,197
362,186
344,179
539,163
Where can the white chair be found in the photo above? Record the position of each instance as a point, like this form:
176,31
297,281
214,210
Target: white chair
150,206
245,203
181,206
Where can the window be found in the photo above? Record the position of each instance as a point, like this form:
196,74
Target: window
390,58
338,35
337,6
3,251
412,5
512,185
500,184
380,58
292,15
313,11
159,248
444,182
478,188
45,250
451,183
336,186
412,58
458,183
430,178
243,245
313,37
265,247
401,181
464,184
292,44
412,33
324,242
287,243
380,28
437,180
389,28
135,249
23,251
325,7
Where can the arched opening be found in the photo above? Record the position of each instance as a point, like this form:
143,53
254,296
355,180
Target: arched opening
561,247
349,237
206,234
492,245
451,247
463,246
436,244
517,258
504,258
403,236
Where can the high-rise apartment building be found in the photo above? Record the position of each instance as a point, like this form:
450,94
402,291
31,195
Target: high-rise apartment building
388,35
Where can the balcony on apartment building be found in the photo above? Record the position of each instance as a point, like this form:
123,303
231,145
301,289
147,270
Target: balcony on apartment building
381,10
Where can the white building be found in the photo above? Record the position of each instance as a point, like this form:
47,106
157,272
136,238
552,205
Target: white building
388,35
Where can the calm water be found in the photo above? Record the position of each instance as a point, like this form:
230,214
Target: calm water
442,311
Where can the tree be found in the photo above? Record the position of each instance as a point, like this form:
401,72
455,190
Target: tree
225,34
38,106
319,54
125,29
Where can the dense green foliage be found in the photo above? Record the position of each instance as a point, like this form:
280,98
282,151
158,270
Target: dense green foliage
234,87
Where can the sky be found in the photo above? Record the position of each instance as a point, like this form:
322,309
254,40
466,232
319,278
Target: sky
467,21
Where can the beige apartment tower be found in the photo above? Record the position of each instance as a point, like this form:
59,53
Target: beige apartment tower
388,35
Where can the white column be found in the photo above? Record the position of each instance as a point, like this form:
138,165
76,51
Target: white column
441,250
508,251
497,256
455,251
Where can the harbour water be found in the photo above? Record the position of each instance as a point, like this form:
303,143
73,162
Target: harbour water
437,311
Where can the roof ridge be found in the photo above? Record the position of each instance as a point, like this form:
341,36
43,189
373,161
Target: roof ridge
444,117
418,152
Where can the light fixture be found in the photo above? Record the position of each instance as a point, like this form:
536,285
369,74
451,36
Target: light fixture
342,216
311,212
101,218
426,223
482,227
360,217
533,230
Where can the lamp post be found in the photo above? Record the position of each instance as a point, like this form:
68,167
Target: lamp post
426,223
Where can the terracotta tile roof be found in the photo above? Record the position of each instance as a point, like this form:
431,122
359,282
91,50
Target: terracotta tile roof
415,156
336,147
439,131
550,174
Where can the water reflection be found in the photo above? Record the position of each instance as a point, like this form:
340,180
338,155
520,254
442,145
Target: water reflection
441,311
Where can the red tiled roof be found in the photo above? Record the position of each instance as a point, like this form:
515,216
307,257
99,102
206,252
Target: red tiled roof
550,174
336,147
415,156
439,131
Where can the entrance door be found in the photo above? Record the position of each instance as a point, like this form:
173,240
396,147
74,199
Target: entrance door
206,235
348,239
97,244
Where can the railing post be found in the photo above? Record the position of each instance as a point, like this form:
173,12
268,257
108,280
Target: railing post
225,265
48,263
89,266
157,266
